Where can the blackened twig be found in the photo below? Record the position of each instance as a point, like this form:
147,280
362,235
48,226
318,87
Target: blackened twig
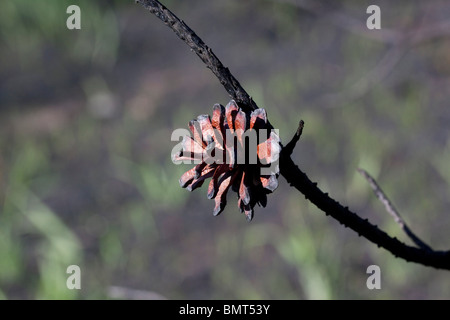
291,145
297,178
391,210
231,85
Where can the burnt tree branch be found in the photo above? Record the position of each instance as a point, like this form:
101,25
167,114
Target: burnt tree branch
289,170
228,81
391,210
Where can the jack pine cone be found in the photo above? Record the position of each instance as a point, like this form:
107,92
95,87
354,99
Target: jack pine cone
234,150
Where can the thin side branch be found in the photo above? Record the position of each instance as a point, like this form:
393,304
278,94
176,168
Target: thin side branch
297,178
228,81
291,145
392,211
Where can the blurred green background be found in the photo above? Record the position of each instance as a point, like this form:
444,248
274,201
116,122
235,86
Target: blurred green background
86,176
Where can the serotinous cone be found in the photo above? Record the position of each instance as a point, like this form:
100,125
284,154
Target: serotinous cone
236,150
